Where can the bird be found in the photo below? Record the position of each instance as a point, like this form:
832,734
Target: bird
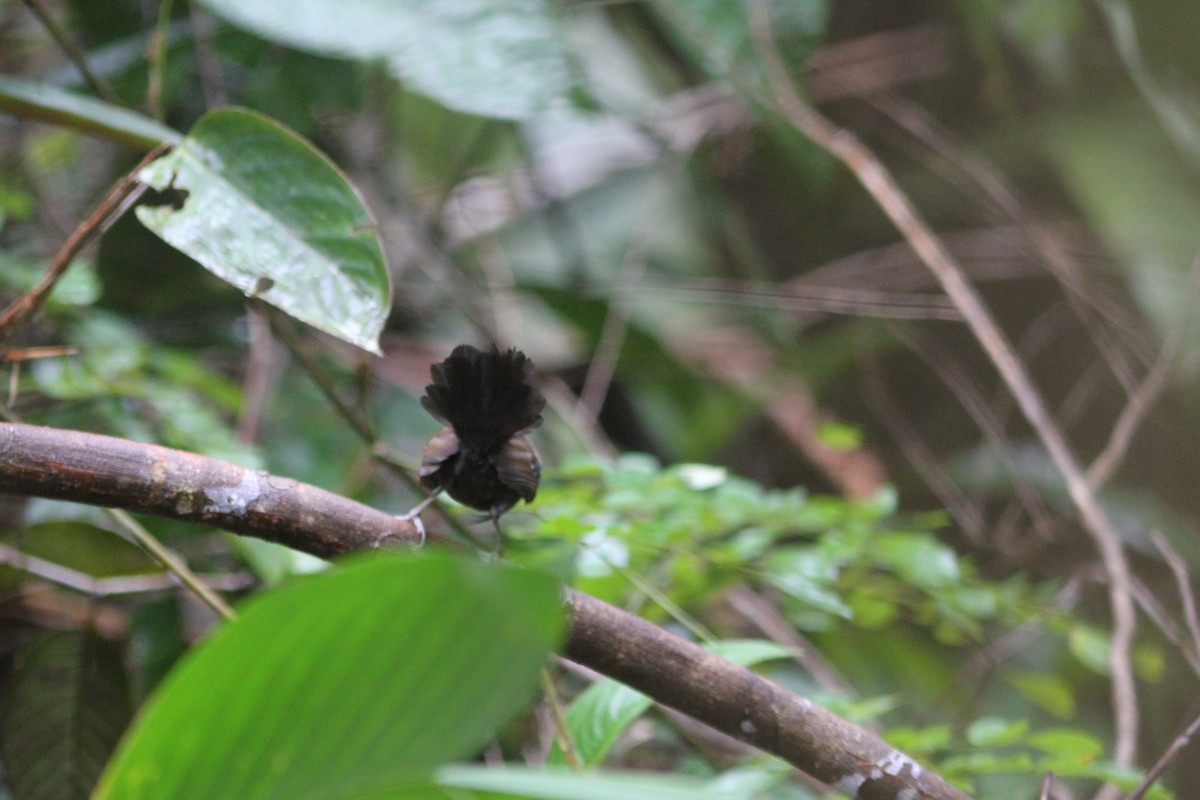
482,457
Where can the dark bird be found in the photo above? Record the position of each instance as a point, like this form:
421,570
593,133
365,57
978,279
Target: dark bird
488,404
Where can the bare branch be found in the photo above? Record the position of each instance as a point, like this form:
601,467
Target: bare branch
148,479
140,477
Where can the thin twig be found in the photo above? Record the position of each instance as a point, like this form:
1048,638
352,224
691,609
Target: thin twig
880,184
562,730
208,65
106,587
1081,295
952,374
1150,388
123,193
259,372
612,333
659,598
1178,744
800,296
172,563
500,285
965,512
20,354
1047,785
1154,611
156,58
73,52
283,329
1187,597
767,618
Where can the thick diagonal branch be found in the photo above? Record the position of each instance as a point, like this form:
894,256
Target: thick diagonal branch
102,470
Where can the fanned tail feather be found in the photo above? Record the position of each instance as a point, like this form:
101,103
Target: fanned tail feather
486,396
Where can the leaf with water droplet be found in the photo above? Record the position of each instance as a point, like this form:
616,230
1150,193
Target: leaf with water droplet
263,209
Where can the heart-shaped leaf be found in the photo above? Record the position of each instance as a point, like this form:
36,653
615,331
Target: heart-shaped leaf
263,209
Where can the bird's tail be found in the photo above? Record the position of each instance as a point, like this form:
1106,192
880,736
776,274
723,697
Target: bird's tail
487,397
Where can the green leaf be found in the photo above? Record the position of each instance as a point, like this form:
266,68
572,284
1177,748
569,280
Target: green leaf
377,671
1067,746
840,436
871,612
919,558
1150,662
920,741
807,574
598,716
87,549
1049,692
748,652
1090,645
996,731
985,762
77,287
863,709
602,712
261,208
66,707
50,104
272,562
496,58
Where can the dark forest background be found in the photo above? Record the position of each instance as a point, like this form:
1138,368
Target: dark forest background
829,458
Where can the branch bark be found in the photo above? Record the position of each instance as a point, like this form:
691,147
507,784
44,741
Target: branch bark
103,470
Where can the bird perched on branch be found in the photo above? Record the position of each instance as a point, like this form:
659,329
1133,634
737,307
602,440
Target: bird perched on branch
488,404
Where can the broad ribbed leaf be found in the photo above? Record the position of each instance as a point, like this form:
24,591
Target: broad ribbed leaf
62,715
372,673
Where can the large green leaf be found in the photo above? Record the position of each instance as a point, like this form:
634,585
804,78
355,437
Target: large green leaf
263,209
497,58
63,712
51,104
369,674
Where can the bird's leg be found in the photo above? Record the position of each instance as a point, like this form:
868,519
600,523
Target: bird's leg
414,513
416,510
499,534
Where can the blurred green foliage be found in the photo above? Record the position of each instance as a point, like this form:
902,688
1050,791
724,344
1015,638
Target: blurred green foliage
610,187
